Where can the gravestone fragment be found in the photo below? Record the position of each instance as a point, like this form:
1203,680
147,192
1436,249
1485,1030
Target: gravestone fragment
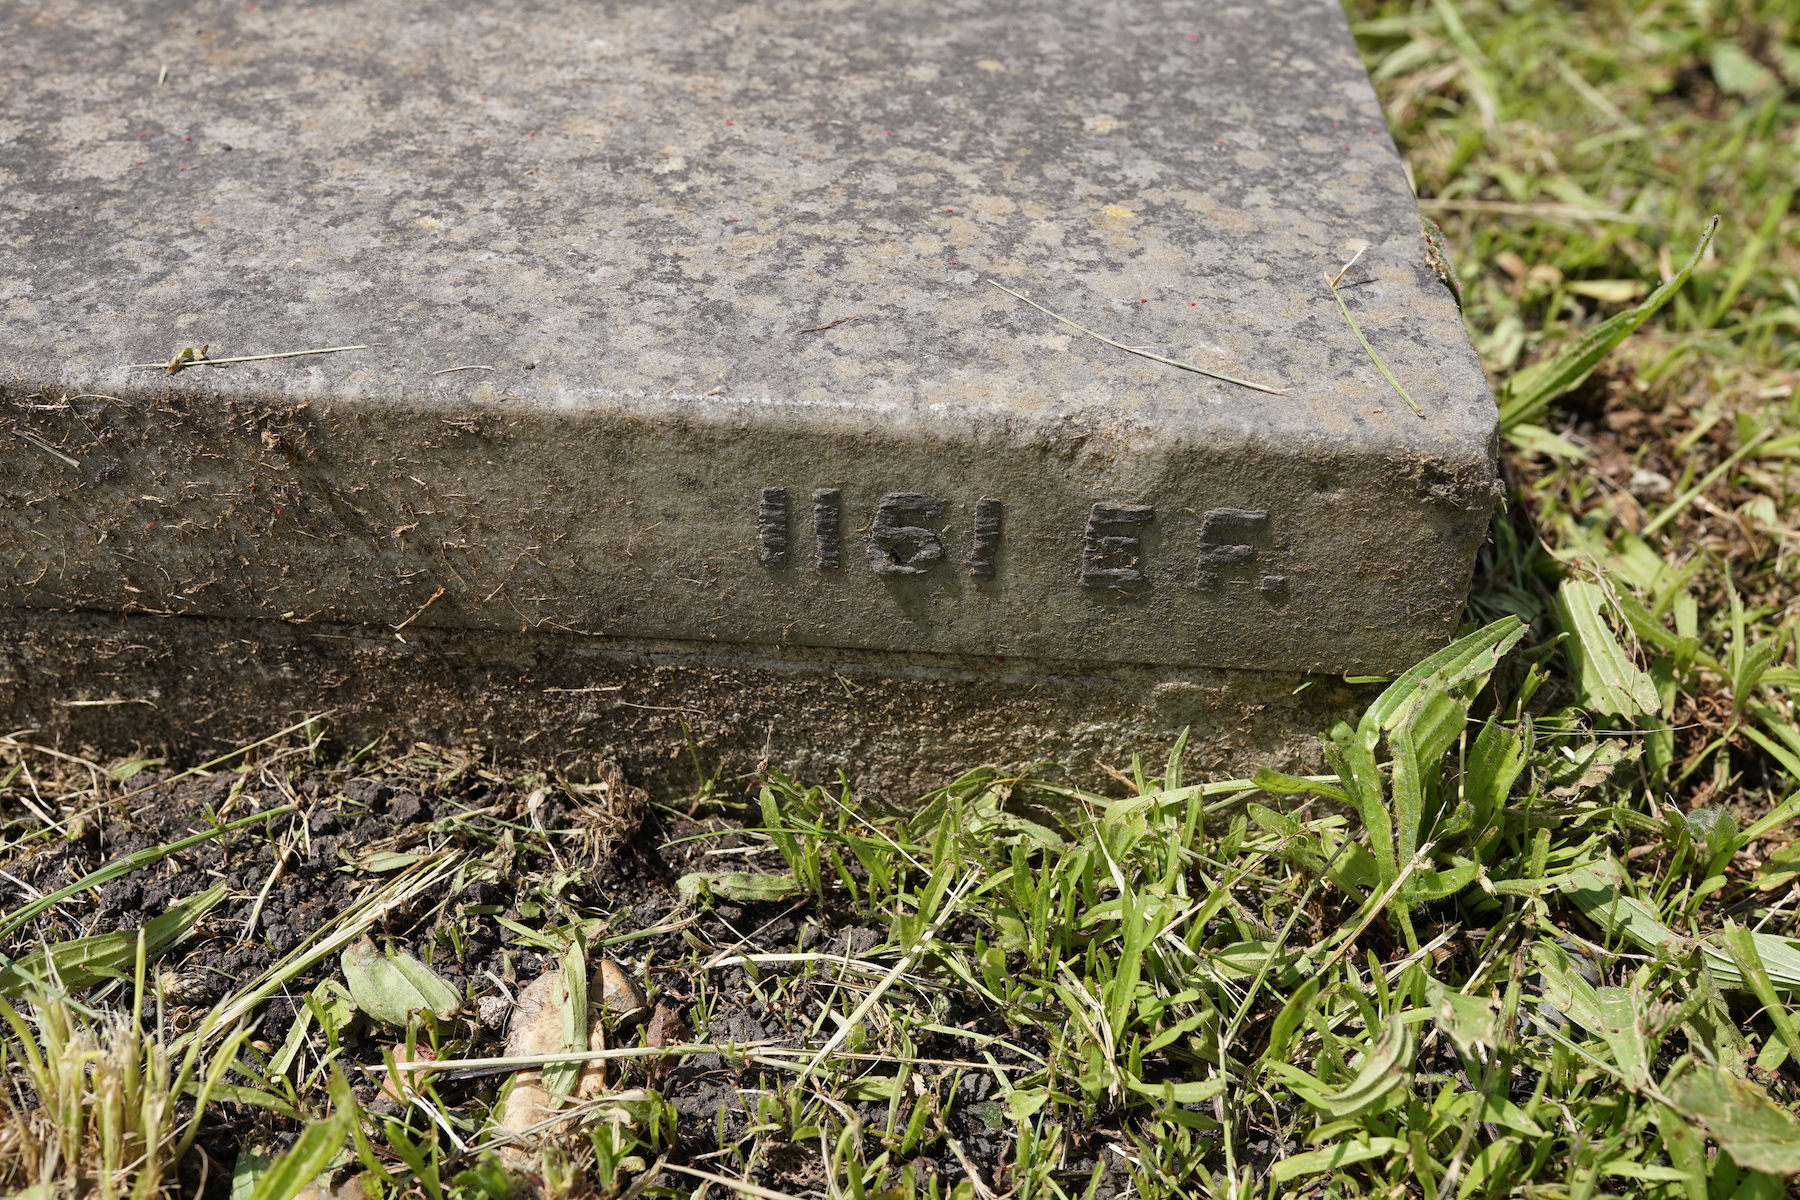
645,390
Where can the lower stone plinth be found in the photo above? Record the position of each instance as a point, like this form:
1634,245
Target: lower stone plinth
896,726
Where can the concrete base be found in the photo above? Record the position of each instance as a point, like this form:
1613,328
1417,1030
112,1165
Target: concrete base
898,725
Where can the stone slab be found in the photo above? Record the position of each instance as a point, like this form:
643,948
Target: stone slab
676,330
640,217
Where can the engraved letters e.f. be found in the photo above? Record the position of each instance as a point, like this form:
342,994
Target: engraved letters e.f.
1112,552
1229,539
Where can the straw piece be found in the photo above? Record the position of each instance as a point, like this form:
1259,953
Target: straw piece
1373,357
179,362
1173,362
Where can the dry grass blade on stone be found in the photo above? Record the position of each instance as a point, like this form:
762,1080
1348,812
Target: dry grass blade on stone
188,357
1141,353
1331,282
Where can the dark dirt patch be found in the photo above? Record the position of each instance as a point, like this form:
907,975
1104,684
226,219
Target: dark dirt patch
557,862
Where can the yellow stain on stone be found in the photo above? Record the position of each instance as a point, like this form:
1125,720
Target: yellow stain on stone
1104,123
1118,212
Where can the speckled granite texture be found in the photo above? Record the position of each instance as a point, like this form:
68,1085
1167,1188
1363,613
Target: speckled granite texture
734,375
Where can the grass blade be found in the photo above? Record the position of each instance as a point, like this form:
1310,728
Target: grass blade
311,1154
1682,501
1532,389
1750,259
1756,1131
1173,362
1373,357
82,962
125,866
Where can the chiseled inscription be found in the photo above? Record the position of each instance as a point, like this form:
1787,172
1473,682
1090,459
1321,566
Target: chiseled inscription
986,542
1228,549
827,513
772,528
1234,542
899,548
1111,555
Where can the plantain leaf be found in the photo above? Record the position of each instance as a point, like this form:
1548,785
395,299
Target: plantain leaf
1497,1109
1746,955
1178,1093
1242,959
1429,728
740,886
1422,713
1609,681
377,862
1596,889
1495,764
1471,1023
1295,1010
1330,1158
1352,757
1435,885
391,987
1780,958
1565,988
1278,784
1384,1068
1462,661
1752,1128
1621,1027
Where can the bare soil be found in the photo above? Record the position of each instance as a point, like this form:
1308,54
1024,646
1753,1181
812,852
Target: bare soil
630,885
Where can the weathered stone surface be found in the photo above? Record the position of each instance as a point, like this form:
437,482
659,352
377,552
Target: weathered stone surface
898,725
736,377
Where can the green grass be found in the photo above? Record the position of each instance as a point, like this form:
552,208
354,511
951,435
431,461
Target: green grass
1532,938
